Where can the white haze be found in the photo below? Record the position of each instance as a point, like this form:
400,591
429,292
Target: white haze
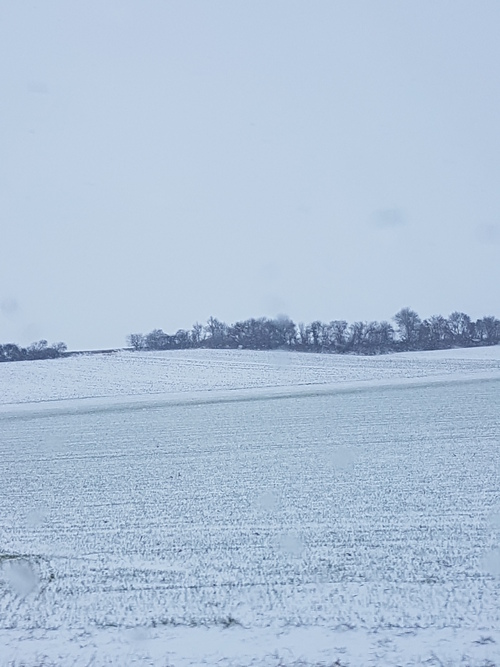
163,162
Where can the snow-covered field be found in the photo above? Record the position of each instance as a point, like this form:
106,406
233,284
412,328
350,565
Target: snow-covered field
153,373
249,508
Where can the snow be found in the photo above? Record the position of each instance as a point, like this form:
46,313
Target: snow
149,373
250,508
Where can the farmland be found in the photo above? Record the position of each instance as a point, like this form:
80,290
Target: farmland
248,508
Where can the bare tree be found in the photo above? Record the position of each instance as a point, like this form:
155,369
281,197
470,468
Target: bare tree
408,323
217,333
137,341
197,334
461,328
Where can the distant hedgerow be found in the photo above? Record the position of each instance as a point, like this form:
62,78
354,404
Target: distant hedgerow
39,350
409,333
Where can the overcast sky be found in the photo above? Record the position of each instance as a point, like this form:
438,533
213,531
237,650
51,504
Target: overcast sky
161,162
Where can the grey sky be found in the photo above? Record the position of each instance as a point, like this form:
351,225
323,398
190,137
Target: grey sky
161,162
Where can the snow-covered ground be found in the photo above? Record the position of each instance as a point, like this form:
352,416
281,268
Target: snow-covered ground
250,508
151,373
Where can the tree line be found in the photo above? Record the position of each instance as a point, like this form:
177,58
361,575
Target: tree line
39,350
409,332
